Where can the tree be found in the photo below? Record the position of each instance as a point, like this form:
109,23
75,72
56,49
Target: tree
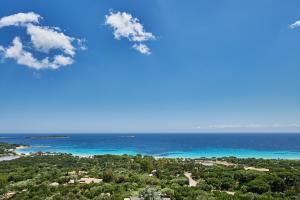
150,193
276,183
168,191
258,186
108,175
227,183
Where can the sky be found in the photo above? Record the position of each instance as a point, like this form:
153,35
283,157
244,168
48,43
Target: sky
149,66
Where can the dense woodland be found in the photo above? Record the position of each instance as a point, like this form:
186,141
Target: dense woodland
57,177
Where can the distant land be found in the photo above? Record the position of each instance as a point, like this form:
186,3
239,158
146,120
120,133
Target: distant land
49,137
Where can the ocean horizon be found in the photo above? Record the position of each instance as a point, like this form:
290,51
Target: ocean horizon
266,145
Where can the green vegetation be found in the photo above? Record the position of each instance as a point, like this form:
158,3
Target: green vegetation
7,149
55,177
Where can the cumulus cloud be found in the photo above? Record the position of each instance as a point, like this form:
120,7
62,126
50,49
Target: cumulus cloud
46,38
17,52
124,25
21,56
42,39
62,60
144,49
19,19
295,25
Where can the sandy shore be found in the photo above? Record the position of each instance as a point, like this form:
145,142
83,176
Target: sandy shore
20,148
7,158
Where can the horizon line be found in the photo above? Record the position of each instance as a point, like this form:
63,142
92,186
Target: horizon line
144,133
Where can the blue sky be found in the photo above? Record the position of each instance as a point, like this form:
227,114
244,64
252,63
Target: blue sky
210,66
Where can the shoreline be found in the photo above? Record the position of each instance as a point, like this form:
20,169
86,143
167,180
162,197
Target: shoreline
285,146
182,155
210,153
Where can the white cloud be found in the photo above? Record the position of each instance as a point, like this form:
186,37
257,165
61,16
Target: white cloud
126,26
19,19
23,57
294,125
224,126
250,126
46,38
62,60
42,39
142,48
295,25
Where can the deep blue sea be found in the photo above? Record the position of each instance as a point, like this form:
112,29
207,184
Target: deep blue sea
284,146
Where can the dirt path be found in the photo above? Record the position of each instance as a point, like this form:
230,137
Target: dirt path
192,182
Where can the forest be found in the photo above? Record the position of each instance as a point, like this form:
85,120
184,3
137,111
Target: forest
103,177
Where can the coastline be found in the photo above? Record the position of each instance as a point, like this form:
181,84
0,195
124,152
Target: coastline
161,145
206,153
20,148
10,151
143,172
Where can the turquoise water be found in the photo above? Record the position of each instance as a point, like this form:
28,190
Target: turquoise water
283,146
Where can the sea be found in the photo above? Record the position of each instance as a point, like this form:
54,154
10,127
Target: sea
268,146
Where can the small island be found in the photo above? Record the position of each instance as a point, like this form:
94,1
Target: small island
49,137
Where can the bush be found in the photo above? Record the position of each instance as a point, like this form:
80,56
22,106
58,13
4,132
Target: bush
108,175
258,186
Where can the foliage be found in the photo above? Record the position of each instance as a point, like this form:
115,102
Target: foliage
30,177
